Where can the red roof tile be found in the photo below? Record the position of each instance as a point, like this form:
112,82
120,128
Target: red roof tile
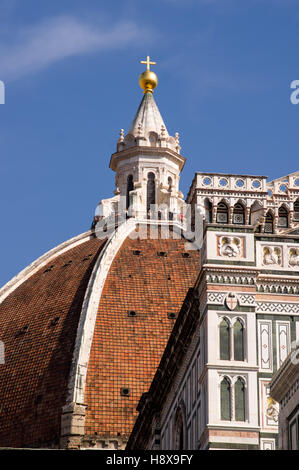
126,350
38,325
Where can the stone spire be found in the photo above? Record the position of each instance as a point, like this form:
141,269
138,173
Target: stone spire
148,128
148,115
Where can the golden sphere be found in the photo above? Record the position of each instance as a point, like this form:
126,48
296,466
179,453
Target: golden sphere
148,80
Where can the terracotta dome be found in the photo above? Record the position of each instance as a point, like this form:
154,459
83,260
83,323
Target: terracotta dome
42,311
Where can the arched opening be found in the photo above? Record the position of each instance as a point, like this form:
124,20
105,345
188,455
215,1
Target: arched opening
225,399
208,211
239,214
269,223
238,341
224,332
179,430
130,187
169,184
153,139
240,400
151,191
222,213
296,211
256,212
282,217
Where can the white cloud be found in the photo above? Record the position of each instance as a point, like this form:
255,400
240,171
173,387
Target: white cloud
61,37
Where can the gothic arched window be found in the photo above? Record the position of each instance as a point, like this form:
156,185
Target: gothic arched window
130,187
225,399
296,211
224,332
222,213
240,400
282,217
239,214
151,191
179,430
208,211
238,341
269,223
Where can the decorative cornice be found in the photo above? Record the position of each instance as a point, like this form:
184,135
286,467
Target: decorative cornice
283,380
152,151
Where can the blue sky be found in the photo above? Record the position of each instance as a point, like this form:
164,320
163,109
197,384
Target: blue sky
71,73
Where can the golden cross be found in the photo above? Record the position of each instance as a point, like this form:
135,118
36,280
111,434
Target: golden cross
147,62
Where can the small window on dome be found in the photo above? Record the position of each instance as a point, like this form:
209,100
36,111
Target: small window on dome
49,269
55,321
171,315
132,313
22,331
67,264
163,254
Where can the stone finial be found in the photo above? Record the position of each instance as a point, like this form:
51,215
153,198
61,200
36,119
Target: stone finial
121,136
177,142
163,130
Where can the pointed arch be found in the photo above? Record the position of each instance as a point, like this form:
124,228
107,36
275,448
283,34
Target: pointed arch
130,187
296,210
222,213
180,429
283,216
238,340
256,211
239,390
239,214
150,191
153,139
225,399
208,210
224,339
269,222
